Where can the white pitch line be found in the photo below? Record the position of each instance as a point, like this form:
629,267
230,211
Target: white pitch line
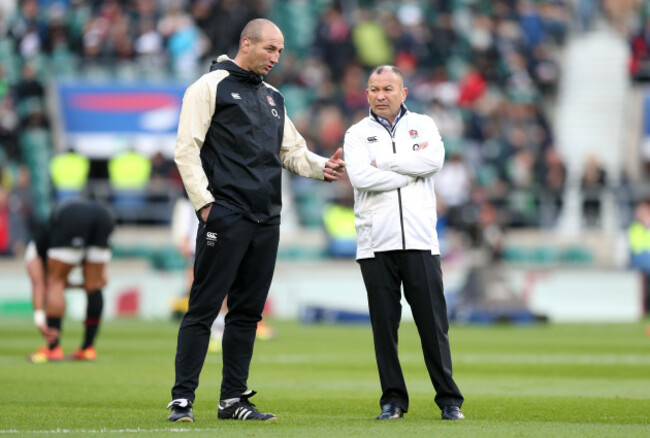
568,359
96,431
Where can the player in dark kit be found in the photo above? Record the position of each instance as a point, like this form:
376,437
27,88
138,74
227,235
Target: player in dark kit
78,233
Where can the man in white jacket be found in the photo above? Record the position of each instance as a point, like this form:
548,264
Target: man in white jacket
392,157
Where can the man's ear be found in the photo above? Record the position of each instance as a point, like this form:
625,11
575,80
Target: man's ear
406,92
245,45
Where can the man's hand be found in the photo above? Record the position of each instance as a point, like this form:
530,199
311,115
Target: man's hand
334,166
205,212
49,333
424,145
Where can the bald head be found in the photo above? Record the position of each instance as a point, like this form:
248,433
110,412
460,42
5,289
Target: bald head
260,46
254,30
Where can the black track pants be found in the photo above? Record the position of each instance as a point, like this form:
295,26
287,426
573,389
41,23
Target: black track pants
234,256
420,273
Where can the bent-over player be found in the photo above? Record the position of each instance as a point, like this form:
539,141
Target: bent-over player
78,233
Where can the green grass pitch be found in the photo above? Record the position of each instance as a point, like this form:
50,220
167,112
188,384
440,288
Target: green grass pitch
321,381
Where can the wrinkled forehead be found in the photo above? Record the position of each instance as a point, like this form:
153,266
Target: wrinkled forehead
385,79
270,34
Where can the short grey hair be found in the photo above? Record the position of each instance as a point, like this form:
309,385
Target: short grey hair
380,69
253,29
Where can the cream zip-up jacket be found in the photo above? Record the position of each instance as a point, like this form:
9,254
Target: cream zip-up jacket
395,202
234,138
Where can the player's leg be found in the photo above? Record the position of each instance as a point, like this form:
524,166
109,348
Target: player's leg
70,228
220,245
382,280
423,289
56,278
95,278
246,301
95,273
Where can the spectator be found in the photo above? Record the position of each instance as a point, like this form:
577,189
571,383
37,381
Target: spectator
163,172
129,176
28,30
5,230
29,86
149,45
640,56
531,23
338,221
639,244
489,232
592,182
471,87
332,41
453,186
69,172
9,123
21,203
553,179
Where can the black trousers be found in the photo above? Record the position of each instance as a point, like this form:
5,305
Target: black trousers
234,256
420,274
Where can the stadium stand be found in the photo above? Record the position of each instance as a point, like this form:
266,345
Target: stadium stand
489,72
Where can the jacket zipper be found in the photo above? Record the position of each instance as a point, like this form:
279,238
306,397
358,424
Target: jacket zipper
399,191
257,127
399,201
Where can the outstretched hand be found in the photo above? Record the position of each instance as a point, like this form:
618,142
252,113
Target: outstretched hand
334,166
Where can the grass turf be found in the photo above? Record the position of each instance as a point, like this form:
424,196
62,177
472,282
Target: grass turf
530,381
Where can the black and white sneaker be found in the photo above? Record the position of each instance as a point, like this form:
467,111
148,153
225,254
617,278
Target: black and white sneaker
181,410
243,410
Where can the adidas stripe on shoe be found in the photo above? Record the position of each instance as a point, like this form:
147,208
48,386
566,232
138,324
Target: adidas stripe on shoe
243,410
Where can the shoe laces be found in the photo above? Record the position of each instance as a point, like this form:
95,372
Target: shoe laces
181,403
245,398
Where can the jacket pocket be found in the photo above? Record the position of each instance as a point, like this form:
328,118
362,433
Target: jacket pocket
420,226
386,231
220,218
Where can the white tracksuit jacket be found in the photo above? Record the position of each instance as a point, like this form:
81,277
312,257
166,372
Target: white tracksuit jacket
394,203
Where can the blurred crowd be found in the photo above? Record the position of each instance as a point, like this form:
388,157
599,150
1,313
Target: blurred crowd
486,71
635,24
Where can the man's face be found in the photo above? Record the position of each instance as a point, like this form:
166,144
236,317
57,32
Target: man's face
386,93
262,55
